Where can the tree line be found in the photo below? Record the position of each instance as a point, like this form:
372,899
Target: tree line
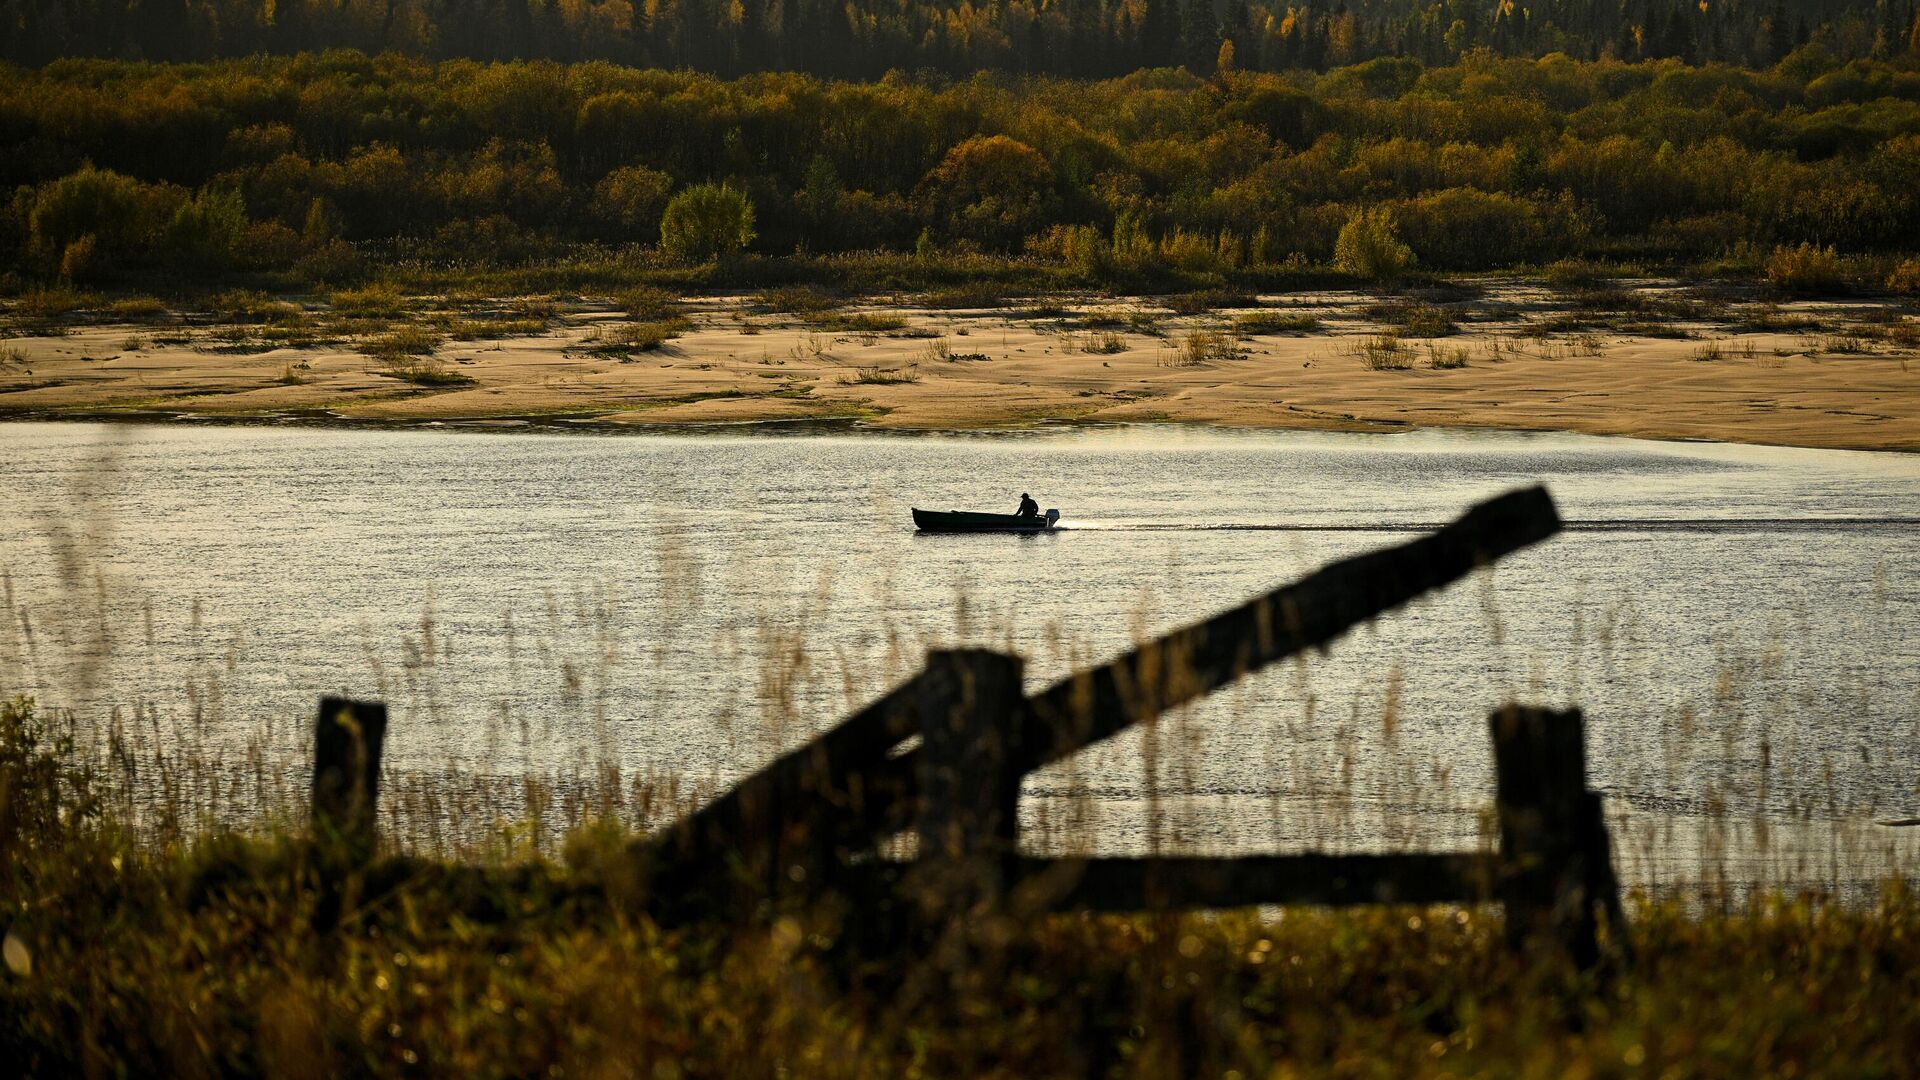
310,161
862,39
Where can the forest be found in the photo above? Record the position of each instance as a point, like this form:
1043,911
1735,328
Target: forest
314,167
863,39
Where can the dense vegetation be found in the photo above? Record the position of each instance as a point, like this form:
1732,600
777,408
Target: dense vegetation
314,164
198,956
864,38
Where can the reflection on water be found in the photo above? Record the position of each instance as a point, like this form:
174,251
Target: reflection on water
1738,622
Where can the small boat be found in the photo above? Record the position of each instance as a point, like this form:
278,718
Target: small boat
961,521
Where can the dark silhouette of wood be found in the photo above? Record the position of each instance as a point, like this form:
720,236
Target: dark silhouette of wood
1179,884
1197,660
804,830
856,790
347,740
971,710
1556,877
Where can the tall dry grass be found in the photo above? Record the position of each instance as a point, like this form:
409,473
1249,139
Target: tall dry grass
158,916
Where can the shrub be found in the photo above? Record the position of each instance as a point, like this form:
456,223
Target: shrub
406,341
44,304
883,376
1417,320
1369,246
119,212
1258,323
1204,300
76,262
46,787
1469,228
424,371
631,338
648,302
378,300
1384,352
973,294
1200,346
706,221
207,227
138,308
1905,278
799,300
632,199
1806,268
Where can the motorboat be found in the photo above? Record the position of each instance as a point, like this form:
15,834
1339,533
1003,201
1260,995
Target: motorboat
962,521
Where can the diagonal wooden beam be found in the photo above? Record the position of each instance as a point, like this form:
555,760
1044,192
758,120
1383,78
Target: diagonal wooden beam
1096,704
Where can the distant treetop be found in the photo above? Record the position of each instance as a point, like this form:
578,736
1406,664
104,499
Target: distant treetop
866,38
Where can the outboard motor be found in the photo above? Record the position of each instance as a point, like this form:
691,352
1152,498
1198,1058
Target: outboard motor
1053,516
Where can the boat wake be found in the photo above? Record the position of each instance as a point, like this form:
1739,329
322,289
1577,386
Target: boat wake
1636,525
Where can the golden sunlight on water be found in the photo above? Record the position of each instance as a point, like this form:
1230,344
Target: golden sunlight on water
554,614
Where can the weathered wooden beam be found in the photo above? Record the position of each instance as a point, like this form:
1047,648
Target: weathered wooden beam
1177,884
347,741
788,827
1096,704
970,725
1556,875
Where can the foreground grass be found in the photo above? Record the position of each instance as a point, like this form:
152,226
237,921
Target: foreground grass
203,956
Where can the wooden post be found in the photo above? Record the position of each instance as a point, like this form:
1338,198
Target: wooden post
971,712
347,740
1556,869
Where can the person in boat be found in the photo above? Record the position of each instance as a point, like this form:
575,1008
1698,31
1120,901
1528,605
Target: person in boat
1028,508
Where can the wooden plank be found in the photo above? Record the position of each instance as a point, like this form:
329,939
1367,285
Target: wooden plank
783,828
1556,875
1179,884
347,740
970,723
1197,660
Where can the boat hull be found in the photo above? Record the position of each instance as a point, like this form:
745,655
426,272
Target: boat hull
960,521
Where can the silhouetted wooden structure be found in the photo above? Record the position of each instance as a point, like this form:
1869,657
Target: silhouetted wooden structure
943,757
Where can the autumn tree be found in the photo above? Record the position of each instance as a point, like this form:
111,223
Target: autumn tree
990,189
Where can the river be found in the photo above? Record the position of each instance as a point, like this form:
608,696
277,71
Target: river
1741,624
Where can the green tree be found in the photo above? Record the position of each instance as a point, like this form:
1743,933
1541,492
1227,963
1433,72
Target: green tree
1369,246
630,200
117,211
706,221
207,228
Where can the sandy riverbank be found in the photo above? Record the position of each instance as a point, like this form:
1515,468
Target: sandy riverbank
1841,383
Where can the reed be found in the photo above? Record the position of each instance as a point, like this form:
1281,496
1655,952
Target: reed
1382,352
883,376
1268,323
151,867
624,339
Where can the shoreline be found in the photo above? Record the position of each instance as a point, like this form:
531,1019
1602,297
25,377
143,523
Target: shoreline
1520,357
809,427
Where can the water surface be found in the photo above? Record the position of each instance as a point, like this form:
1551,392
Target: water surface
1738,622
